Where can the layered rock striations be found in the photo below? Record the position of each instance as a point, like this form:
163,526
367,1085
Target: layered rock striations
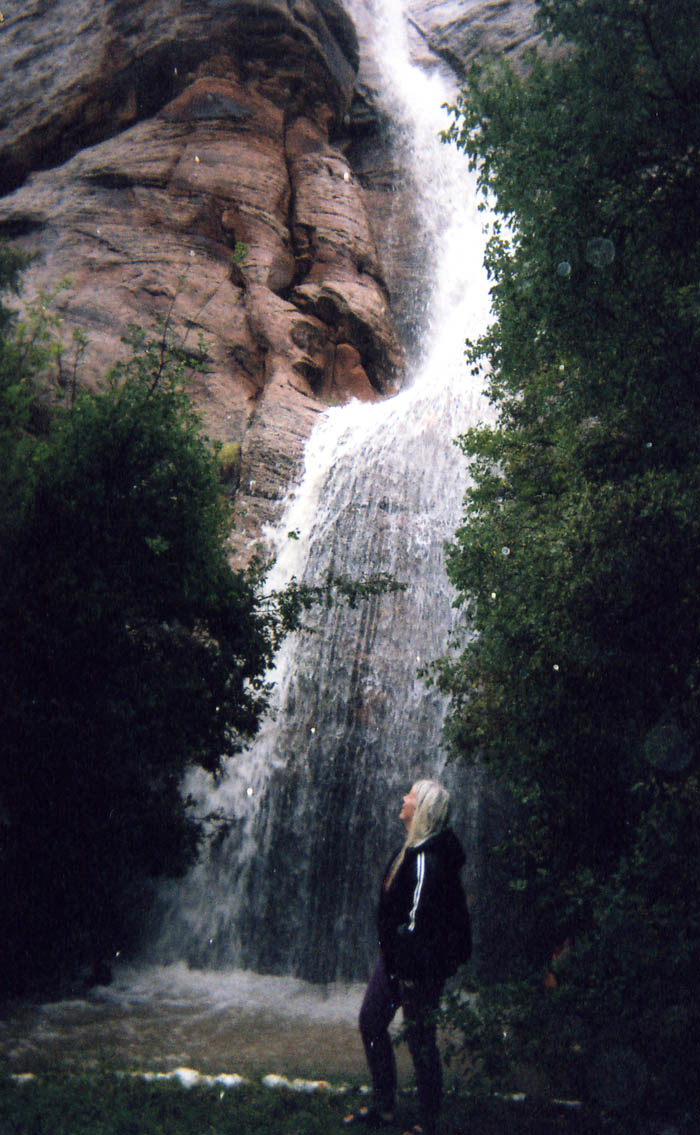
220,165
457,32
178,160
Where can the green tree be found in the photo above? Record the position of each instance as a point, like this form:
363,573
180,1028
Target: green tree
131,650
22,353
577,557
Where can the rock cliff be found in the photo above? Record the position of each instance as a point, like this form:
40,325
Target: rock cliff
222,164
459,31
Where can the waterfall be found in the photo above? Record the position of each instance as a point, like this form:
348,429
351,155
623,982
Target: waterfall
314,802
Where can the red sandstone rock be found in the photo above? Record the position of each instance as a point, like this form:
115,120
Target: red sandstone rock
349,376
188,212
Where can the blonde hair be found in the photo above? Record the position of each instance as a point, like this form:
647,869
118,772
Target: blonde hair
430,817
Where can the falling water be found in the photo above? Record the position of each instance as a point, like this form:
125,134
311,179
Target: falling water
314,803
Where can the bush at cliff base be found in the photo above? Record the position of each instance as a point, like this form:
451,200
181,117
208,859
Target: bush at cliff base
131,651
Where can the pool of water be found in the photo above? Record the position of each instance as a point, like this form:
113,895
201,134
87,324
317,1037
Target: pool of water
161,1018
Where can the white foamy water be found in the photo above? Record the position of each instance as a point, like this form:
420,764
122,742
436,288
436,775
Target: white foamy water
238,991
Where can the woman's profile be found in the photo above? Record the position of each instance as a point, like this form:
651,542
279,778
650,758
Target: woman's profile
424,936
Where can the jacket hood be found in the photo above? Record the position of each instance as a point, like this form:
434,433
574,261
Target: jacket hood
447,846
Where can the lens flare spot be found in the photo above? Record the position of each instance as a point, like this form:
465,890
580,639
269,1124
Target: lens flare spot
600,252
667,747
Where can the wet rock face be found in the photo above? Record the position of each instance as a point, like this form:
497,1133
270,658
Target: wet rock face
459,31
77,71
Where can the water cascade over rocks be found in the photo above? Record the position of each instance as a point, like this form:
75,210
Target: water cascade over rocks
314,803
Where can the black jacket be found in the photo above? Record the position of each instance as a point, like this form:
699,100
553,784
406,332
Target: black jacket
423,921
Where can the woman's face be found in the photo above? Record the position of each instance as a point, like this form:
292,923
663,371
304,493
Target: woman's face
408,808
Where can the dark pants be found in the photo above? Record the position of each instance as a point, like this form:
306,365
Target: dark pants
419,1002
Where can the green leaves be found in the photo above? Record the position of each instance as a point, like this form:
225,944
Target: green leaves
131,650
576,561
581,480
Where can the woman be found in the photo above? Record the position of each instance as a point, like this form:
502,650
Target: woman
423,937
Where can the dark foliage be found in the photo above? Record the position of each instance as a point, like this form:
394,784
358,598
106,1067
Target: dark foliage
577,559
131,651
